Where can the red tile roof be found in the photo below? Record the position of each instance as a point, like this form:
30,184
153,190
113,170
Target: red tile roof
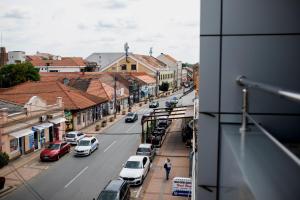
65,61
73,99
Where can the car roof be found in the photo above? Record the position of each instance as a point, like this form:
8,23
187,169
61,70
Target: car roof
135,158
73,132
87,138
114,185
145,145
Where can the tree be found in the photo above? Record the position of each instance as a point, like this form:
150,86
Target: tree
164,86
14,74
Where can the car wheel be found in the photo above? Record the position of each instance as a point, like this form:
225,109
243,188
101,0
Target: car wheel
90,152
58,157
97,146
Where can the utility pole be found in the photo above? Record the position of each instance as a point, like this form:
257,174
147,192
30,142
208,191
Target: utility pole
157,82
115,88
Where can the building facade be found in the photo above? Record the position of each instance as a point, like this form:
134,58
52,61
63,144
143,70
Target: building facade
248,61
15,57
29,127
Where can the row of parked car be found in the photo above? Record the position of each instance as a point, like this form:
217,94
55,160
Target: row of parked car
157,135
134,172
85,146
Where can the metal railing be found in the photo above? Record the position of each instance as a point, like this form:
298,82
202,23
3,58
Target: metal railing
282,93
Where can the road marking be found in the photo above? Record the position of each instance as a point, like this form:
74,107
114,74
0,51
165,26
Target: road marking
138,192
110,146
71,181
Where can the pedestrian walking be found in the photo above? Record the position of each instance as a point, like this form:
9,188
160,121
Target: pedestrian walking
167,167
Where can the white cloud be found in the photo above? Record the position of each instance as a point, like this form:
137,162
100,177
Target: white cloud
76,27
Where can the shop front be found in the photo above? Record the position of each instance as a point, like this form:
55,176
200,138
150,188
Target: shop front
58,128
19,142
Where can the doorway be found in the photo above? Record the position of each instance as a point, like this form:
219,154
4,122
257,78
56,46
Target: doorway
36,140
22,145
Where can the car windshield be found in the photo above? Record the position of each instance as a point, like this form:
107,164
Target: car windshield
130,114
133,165
84,143
147,150
107,195
53,146
70,135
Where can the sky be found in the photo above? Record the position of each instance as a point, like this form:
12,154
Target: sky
81,27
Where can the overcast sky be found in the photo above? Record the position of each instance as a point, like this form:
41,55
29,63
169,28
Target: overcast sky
81,27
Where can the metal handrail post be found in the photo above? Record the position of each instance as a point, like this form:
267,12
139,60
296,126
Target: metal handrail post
244,111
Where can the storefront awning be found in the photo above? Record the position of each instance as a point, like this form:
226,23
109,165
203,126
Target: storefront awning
57,120
22,133
46,125
38,127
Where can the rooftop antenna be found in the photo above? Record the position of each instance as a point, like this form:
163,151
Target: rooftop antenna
126,47
150,51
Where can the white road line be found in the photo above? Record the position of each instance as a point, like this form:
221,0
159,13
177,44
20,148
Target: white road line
110,146
71,181
138,192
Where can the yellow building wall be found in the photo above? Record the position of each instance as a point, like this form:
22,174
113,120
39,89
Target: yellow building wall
139,67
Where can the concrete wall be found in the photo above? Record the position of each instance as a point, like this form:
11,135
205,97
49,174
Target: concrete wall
259,39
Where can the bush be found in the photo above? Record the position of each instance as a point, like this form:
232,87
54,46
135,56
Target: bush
4,158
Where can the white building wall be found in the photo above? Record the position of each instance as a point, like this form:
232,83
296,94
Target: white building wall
60,69
16,56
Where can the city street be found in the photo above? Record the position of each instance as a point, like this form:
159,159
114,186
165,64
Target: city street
79,178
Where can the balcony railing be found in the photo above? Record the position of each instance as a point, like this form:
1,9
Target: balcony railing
279,92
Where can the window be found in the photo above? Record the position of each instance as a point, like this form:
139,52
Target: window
13,144
133,67
123,67
78,119
83,117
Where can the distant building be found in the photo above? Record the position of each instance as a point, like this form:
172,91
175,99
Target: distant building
64,64
15,57
174,65
3,56
103,59
143,63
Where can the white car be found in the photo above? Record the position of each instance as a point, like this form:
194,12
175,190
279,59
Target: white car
135,169
86,146
73,137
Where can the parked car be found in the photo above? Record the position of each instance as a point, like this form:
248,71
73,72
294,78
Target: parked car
54,151
154,140
135,169
86,146
159,131
115,190
174,100
153,104
131,117
73,137
163,121
146,150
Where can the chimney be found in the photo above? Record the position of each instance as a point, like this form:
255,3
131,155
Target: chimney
3,57
59,102
3,115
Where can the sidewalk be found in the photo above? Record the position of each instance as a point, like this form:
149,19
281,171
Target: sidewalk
156,187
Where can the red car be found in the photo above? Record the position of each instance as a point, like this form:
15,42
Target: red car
54,151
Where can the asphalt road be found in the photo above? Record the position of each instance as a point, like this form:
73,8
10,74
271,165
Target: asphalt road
82,178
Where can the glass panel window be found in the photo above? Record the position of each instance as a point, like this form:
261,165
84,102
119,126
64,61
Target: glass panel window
133,67
13,144
123,67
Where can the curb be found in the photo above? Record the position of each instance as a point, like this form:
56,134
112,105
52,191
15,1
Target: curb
7,190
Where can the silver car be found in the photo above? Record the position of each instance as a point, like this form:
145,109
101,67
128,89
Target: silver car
146,150
74,137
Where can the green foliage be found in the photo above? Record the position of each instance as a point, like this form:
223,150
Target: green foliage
14,74
3,159
164,86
